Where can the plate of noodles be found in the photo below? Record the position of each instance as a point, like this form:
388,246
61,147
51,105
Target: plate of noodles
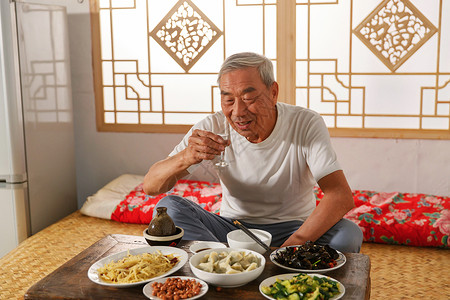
137,266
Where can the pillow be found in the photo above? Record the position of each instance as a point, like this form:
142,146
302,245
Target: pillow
105,200
137,207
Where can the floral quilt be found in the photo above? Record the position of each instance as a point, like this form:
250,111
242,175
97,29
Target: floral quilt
401,218
137,207
390,218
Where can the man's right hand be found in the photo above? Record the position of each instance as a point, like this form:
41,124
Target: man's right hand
203,145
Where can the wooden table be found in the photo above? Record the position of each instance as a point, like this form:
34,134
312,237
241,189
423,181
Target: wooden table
70,281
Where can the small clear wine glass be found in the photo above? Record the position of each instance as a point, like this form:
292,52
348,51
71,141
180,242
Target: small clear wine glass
222,162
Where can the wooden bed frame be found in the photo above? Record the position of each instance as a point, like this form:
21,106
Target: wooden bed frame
397,272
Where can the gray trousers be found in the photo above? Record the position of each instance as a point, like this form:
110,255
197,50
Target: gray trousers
199,224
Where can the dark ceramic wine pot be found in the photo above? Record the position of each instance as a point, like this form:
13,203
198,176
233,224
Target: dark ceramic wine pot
162,224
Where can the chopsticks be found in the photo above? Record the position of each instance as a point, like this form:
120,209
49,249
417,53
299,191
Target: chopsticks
250,234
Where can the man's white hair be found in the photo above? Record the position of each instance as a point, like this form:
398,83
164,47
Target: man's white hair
249,60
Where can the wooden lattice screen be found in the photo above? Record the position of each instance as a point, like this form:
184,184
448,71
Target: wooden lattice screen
371,68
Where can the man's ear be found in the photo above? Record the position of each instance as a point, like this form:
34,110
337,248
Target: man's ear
274,92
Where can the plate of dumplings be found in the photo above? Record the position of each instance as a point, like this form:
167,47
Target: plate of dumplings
227,267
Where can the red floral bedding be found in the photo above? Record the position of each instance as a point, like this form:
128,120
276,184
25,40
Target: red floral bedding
138,207
390,218
401,218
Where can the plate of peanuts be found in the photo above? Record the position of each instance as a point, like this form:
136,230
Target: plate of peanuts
175,287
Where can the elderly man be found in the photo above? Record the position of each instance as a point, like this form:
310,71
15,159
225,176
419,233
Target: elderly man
276,153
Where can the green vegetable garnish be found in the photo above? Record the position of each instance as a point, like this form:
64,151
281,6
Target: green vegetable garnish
316,262
302,287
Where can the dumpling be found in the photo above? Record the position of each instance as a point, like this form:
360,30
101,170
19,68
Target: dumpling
237,266
214,256
248,260
207,257
251,267
223,254
235,256
223,265
207,262
207,266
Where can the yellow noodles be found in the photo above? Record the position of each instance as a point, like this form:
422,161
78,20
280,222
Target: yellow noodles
135,268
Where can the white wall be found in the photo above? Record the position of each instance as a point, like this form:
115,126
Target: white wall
416,166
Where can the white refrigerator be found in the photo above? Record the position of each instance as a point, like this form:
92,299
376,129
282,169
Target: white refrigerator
37,164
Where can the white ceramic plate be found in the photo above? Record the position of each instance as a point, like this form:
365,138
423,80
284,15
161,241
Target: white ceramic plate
271,280
200,246
340,262
181,254
148,289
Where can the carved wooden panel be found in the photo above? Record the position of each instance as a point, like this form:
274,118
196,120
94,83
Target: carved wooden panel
186,33
373,68
376,68
156,62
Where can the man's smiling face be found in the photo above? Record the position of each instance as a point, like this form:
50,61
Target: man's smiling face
248,104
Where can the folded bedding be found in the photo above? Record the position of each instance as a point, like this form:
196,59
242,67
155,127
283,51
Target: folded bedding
390,218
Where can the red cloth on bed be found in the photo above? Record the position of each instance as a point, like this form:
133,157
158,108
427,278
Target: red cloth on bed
401,218
137,207
390,218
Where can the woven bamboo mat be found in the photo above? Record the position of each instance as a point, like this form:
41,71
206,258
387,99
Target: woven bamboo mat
403,272
397,272
47,250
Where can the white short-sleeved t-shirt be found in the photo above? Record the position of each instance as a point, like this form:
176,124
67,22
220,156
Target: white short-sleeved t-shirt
273,181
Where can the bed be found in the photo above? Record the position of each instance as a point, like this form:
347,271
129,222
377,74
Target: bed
401,266
391,218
